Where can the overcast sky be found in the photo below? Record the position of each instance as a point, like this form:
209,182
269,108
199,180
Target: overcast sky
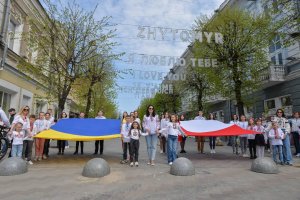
128,15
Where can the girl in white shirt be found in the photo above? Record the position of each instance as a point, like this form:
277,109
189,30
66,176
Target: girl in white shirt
163,124
172,131
17,136
251,139
260,138
134,134
243,138
276,135
23,118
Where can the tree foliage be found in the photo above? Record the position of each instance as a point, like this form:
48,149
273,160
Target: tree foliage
61,45
242,57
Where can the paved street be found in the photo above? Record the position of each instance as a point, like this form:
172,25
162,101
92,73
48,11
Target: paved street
219,176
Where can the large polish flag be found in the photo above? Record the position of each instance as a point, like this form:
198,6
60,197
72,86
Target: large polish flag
212,128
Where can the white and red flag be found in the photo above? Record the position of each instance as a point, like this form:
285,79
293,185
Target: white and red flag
212,128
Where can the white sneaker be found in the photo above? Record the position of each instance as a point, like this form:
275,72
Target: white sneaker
30,162
67,147
136,164
298,155
161,151
170,163
244,155
214,151
131,164
211,151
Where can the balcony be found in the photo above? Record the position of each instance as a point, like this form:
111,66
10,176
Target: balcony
272,75
214,99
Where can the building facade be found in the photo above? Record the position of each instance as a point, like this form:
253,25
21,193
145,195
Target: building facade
16,88
280,81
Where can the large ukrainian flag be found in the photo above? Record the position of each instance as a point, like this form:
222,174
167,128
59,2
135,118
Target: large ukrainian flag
83,130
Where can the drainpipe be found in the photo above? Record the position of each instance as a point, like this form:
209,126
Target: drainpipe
4,30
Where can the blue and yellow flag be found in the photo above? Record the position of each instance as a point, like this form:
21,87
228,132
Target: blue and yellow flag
83,130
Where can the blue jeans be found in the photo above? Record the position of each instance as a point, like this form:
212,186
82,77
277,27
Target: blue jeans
172,148
151,140
17,150
287,154
277,149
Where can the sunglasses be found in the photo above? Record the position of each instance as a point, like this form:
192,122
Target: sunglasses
26,109
150,108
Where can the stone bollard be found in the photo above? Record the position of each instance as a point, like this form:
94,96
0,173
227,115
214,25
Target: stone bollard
96,167
182,167
264,165
13,166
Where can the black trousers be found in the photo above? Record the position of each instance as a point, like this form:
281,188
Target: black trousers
212,142
61,145
97,142
252,147
77,146
46,147
296,141
134,150
126,146
27,149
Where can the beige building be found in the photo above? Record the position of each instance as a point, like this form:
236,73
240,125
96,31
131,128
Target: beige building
17,89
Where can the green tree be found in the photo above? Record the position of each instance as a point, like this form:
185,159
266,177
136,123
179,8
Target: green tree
242,56
64,41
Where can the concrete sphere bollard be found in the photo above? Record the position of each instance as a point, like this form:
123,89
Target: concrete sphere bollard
182,167
13,166
96,167
265,166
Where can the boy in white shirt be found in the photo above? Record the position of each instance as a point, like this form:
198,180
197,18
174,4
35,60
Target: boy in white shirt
40,125
126,138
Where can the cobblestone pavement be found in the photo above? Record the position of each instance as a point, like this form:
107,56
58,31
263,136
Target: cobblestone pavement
218,176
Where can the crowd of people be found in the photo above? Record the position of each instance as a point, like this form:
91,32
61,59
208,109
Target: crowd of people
273,135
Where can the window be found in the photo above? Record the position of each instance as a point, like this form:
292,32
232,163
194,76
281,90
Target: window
25,101
280,59
5,99
286,101
11,34
273,60
275,44
270,104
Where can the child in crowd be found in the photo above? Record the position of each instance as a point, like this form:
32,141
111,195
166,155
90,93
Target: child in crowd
17,136
28,142
135,134
276,135
243,138
260,138
126,138
251,139
171,132
40,125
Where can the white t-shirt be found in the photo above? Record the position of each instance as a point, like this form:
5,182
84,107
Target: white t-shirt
243,125
17,137
272,137
251,136
40,125
135,134
172,129
102,117
125,132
